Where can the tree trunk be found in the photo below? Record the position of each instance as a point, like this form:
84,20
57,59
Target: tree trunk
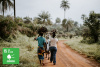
3,6
64,13
14,10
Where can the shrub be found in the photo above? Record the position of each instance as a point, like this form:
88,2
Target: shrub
24,60
89,41
18,20
7,27
29,47
26,31
20,24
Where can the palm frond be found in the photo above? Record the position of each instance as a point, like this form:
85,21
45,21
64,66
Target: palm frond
5,4
64,4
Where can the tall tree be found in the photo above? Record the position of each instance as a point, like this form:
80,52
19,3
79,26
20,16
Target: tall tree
5,4
67,24
64,21
64,5
44,16
93,23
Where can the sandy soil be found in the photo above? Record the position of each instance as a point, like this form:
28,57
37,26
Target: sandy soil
66,57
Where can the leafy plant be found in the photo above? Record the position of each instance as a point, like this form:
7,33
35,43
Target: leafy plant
93,23
7,27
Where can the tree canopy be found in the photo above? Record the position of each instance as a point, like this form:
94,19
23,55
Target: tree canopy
93,23
5,5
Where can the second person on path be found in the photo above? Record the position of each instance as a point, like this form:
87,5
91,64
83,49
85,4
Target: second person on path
53,48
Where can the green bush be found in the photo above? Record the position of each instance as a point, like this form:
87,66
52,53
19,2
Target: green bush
20,24
18,20
7,27
97,58
1,18
26,31
88,41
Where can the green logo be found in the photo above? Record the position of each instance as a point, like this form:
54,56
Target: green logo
10,55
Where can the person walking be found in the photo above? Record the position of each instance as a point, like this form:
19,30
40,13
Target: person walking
41,44
53,48
47,46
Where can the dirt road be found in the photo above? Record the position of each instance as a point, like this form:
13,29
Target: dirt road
66,57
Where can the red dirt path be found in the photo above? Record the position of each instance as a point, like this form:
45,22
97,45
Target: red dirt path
66,57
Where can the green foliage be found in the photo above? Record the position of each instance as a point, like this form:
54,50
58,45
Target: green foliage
20,24
25,44
88,41
43,18
64,5
5,5
27,20
7,27
67,24
37,20
26,31
18,20
93,23
1,17
64,21
44,15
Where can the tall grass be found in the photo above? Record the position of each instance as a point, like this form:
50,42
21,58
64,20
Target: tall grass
91,50
28,51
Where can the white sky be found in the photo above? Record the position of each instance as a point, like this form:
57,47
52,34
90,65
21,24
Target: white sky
32,8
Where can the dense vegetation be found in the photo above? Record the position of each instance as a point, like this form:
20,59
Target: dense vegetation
9,26
92,32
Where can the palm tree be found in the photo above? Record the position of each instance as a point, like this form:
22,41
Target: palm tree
67,24
64,5
44,16
5,4
64,21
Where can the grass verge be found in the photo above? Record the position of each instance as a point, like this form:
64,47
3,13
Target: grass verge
91,50
28,51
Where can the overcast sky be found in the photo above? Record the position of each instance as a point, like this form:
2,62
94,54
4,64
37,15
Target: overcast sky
32,8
